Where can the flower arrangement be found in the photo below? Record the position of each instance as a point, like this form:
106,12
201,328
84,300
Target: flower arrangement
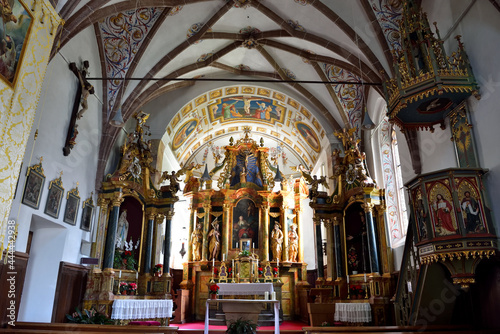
276,271
356,290
158,269
88,317
261,271
132,287
352,258
216,271
123,287
214,289
125,259
245,253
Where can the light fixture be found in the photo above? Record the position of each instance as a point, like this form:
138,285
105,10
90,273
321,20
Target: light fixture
117,120
367,122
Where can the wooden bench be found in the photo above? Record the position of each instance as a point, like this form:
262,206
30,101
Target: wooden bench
43,328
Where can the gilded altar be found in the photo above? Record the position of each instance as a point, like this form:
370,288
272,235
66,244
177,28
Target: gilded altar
244,227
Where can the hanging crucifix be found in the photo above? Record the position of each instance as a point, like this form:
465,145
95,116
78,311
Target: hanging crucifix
82,93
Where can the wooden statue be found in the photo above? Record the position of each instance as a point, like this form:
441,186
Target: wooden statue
293,243
196,242
276,241
214,240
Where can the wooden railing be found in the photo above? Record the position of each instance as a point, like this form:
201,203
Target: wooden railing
46,328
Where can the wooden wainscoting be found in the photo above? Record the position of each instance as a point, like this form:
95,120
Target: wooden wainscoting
70,289
18,273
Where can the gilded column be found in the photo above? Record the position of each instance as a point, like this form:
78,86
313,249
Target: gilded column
330,260
372,238
301,235
151,214
226,236
109,250
191,227
265,233
206,229
319,249
166,246
97,247
337,220
386,253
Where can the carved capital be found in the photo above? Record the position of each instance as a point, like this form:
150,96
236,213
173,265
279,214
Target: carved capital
328,223
317,221
337,219
226,207
103,202
151,213
159,218
368,207
117,199
169,214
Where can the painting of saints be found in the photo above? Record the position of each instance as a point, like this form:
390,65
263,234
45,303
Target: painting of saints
14,27
246,107
245,222
309,136
442,216
183,133
471,212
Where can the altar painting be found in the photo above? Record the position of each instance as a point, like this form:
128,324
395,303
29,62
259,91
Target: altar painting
442,210
183,133
15,25
309,135
245,223
246,107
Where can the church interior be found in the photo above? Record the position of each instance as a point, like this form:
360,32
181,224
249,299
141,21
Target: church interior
309,165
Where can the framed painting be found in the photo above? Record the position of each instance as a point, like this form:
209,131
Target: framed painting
33,187
71,210
87,214
184,132
309,135
245,244
442,209
245,223
54,199
15,25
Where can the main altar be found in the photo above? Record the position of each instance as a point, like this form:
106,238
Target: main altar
245,232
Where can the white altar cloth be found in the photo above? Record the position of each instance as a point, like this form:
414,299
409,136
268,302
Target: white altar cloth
238,289
134,309
275,302
353,312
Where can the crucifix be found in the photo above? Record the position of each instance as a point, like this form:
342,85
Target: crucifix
83,91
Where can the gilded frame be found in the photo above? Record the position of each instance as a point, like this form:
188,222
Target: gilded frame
87,214
33,187
71,210
54,198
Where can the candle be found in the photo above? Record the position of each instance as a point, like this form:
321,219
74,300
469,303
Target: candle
274,295
278,262
253,245
120,275
236,245
266,295
213,262
223,257
136,275
347,279
233,268
365,278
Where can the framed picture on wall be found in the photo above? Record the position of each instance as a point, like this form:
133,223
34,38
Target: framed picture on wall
87,214
71,210
54,199
33,187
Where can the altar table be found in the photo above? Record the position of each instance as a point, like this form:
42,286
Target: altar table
248,302
238,289
353,312
134,309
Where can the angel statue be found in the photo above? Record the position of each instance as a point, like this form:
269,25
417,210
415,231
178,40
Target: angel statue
174,181
314,182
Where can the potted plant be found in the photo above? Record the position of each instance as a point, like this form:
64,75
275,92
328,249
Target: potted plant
214,291
132,288
88,317
241,326
123,288
245,253
158,270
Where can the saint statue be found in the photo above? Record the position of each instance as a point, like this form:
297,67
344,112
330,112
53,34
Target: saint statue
293,243
196,242
276,241
122,230
214,240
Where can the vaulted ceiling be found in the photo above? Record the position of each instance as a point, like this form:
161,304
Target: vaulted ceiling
316,58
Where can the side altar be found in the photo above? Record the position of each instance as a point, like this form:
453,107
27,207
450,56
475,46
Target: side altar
132,214
244,227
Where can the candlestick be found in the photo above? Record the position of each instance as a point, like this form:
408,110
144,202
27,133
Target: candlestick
120,275
253,245
365,277
213,262
347,279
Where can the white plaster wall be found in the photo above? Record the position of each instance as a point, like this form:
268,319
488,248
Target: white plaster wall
52,120
307,237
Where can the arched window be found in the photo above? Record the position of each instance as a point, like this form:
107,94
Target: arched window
403,215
